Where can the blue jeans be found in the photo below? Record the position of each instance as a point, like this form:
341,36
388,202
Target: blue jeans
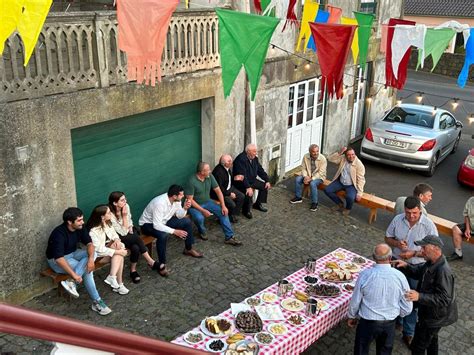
382,331
313,185
216,210
78,262
162,237
336,186
409,321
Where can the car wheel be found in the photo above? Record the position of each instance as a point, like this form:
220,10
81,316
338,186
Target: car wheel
433,163
456,144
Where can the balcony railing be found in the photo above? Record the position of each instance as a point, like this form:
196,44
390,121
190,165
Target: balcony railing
79,50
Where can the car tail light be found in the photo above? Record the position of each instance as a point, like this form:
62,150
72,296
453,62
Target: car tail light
469,162
428,145
368,135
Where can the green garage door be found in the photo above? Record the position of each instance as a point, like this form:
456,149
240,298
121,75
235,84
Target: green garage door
141,155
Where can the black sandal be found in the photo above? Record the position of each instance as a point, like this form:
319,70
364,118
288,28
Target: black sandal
135,277
155,266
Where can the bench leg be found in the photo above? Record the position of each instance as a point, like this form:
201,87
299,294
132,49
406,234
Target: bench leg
372,215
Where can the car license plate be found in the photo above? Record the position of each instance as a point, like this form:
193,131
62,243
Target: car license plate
395,143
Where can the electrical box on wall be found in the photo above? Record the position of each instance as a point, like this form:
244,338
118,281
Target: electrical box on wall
275,152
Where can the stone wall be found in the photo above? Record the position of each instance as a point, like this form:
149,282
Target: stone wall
450,64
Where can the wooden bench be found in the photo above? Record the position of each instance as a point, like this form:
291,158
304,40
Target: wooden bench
57,278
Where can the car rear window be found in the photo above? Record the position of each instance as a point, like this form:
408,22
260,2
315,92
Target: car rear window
411,116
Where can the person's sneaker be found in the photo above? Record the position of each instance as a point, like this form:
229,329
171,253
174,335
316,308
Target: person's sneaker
346,212
337,208
101,308
122,290
112,281
453,257
314,207
296,200
233,241
70,287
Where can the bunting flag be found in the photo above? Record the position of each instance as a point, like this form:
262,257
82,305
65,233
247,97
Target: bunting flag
405,37
291,15
462,78
333,42
321,17
390,79
355,40
240,46
268,7
334,14
258,6
186,3
142,28
364,31
456,26
10,13
309,14
436,42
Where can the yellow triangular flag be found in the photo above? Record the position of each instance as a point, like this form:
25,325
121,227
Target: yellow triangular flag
187,4
10,12
355,40
31,22
309,15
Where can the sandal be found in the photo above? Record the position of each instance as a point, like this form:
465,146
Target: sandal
135,277
164,271
155,266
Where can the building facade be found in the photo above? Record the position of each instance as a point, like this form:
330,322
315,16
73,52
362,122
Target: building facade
72,129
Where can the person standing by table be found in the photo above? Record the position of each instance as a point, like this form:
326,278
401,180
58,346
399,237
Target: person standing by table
434,295
378,299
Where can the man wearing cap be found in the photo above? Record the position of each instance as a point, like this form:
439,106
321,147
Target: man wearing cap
434,295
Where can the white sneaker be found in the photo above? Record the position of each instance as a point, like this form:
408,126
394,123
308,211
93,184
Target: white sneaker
70,287
122,290
101,308
112,281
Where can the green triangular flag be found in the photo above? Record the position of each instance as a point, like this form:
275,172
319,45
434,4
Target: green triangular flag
264,4
243,40
436,42
365,30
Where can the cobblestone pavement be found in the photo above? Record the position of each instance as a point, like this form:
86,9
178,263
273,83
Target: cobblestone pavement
275,245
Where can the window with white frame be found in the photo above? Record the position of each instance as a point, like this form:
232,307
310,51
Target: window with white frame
304,102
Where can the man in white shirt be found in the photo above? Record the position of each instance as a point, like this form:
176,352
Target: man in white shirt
163,216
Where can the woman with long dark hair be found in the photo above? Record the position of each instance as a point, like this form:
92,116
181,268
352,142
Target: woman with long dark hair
123,225
108,245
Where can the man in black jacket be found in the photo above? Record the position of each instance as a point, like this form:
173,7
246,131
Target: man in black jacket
247,165
233,198
435,295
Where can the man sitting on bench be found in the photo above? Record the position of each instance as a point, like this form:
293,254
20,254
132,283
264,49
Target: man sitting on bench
64,257
461,230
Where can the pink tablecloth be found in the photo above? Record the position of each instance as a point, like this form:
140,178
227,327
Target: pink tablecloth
297,339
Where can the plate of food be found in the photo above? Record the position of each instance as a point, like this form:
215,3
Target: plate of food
248,322
332,265
216,346
310,280
277,328
292,304
269,312
269,297
350,266
253,301
323,290
243,347
193,337
322,305
264,338
359,260
339,255
349,287
216,327
296,320
336,275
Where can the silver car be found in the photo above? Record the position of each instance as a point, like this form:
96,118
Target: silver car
412,136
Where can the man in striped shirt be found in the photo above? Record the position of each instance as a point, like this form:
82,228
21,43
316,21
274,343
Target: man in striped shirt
378,299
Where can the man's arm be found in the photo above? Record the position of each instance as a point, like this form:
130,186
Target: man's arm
91,258
198,207
220,178
66,267
467,233
442,294
304,172
239,170
405,306
218,192
322,169
261,172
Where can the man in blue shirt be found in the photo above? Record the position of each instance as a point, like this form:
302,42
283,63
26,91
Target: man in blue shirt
64,257
378,299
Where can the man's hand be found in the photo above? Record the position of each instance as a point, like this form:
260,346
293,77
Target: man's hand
233,196
239,178
187,204
268,186
206,213
90,265
343,149
225,211
467,233
412,295
351,322
399,263
249,192
306,180
358,198
77,278
122,252
407,254
180,233
402,244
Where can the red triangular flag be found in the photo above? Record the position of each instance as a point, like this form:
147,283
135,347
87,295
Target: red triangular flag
390,79
290,15
333,42
258,6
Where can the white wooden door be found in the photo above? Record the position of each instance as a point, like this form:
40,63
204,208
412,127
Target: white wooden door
359,104
305,121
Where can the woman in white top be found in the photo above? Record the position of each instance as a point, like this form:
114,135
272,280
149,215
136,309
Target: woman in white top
123,225
108,245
